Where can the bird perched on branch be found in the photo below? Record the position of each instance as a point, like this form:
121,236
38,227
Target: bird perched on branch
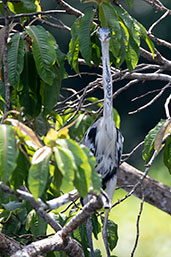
104,139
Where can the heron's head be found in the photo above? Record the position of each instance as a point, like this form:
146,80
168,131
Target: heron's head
104,34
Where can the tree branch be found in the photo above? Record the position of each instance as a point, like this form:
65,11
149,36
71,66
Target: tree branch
155,193
69,9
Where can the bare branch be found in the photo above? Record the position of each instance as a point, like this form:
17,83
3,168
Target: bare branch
66,198
166,106
157,22
157,5
152,101
17,16
69,9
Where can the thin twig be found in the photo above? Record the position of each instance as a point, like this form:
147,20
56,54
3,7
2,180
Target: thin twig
138,224
157,22
21,15
128,155
152,101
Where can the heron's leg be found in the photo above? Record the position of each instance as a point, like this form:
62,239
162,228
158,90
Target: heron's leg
104,232
89,229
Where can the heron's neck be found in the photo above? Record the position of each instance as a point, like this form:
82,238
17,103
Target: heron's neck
107,81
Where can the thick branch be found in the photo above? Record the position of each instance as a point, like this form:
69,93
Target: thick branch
8,245
155,192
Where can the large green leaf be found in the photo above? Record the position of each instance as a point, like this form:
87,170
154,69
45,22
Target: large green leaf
82,179
15,58
74,46
132,55
167,154
29,88
84,35
109,18
64,163
8,152
150,140
43,52
38,177
51,94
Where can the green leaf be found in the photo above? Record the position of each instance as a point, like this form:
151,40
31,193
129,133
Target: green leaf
23,6
64,163
167,154
132,56
112,231
15,58
143,33
95,177
74,46
12,206
96,225
43,52
36,224
20,173
29,88
109,18
84,35
116,118
51,94
8,152
38,177
81,165
150,139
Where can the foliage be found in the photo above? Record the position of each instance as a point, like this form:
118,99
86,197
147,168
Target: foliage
37,146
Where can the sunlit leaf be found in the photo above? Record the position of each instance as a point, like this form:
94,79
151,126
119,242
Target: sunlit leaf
41,154
150,139
64,163
8,152
12,206
26,131
74,46
158,144
38,176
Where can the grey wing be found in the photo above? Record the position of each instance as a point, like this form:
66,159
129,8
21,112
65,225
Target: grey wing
119,146
89,138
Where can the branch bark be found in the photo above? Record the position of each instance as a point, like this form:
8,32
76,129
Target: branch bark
155,193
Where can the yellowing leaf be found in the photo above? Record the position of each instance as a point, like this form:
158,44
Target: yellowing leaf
158,144
21,128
